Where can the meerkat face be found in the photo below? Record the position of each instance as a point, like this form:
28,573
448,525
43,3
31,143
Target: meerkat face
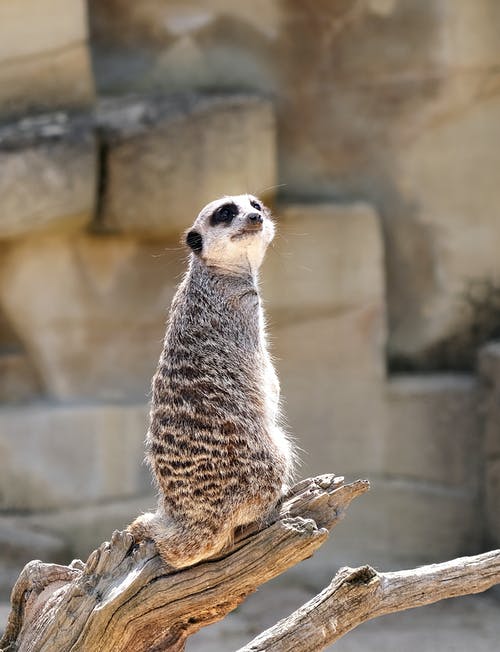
232,233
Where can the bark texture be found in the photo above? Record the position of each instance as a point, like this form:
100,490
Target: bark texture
357,595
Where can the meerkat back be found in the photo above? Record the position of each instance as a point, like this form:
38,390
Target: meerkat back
218,455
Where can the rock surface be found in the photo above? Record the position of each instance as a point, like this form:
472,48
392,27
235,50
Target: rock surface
167,159
392,101
20,543
91,311
48,178
18,379
433,431
489,367
323,286
44,57
56,456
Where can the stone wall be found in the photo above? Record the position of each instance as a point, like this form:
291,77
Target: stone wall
392,101
369,129
489,367
44,56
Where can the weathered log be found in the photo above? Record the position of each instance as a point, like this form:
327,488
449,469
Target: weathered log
357,595
125,598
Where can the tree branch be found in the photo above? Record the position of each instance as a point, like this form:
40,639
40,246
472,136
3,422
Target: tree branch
357,595
125,598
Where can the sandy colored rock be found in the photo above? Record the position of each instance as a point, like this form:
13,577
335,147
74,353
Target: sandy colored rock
44,58
53,456
446,251
18,379
49,80
489,372
492,490
84,528
390,100
20,543
401,524
323,288
332,378
91,311
220,44
325,258
489,369
472,31
168,158
434,429
29,27
48,178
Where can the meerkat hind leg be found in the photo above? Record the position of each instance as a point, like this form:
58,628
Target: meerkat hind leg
191,543
180,546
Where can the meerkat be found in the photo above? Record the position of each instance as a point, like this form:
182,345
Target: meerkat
215,446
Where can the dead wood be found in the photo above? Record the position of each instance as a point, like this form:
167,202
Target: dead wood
357,595
125,598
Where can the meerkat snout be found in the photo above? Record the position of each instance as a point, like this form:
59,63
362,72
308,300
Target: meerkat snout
255,220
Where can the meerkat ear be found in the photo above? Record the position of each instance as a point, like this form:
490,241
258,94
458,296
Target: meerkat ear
194,240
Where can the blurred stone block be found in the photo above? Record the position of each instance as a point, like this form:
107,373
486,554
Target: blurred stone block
91,311
492,498
44,59
169,45
434,430
489,369
331,374
52,456
472,28
167,158
48,177
18,380
20,542
323,287
324,257
444,287
84,528
402,524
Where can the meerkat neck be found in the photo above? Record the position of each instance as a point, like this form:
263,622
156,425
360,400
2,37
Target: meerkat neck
244,274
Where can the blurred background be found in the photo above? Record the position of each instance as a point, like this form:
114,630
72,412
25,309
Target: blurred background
372,129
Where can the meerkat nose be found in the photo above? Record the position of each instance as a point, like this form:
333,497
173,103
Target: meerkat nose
254,218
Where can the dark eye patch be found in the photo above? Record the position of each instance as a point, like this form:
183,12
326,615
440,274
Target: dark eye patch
256,205
225,214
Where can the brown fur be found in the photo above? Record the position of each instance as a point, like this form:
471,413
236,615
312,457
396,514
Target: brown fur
217,453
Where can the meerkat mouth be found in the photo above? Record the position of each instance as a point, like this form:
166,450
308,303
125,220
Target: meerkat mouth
248,231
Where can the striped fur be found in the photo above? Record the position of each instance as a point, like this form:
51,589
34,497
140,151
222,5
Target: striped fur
218,455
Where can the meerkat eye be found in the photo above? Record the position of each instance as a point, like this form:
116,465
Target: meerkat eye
224,214
256,205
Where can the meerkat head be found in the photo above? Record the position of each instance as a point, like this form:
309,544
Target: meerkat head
232,233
